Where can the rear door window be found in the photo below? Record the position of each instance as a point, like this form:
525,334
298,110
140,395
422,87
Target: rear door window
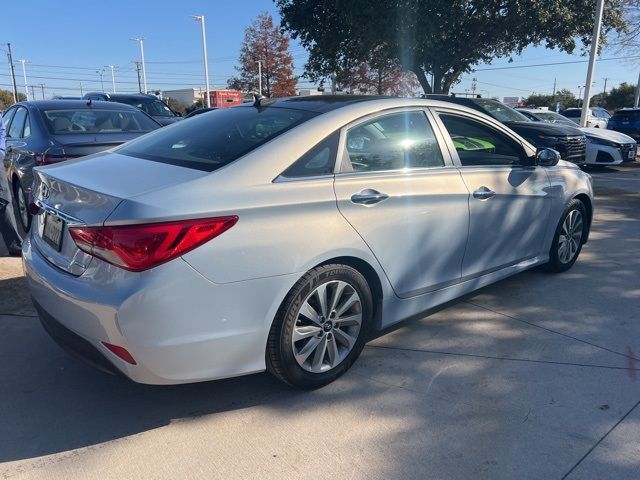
208,142
17,124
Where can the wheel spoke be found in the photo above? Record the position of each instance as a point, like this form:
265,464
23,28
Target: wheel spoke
308,349
321,293
337,294
354,319
344,338
349,302
332,351
306,331
310,313
318,356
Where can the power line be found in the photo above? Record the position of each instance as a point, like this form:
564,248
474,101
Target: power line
553,63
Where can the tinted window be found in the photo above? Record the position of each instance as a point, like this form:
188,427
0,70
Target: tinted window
92,121
623,115
8,115
478,144
151,106
572,113
393,142
500,111
208,142
27,127
15,130
320,160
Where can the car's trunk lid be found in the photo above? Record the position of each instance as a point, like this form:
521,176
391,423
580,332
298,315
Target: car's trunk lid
85,192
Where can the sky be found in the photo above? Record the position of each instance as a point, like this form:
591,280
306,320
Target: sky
66,42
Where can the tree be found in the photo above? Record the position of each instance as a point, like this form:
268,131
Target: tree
379,78
263,42
6,98
629,40
442,39
565,97
619,97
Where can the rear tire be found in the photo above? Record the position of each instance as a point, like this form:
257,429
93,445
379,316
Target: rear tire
569,237
321,327
22,206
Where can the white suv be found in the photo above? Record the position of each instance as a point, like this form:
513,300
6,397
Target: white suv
597,117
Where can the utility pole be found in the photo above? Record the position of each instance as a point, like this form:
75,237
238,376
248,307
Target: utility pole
24,74
554,88
101,73
200,18
260,77
113,77
42,88
595,40
81,92
579,94
138,72
13,73
637,97
33,92
140,40
474,85
605,85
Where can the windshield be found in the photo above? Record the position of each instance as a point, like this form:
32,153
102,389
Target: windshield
553,117
500,111
92,121
151,106
208,142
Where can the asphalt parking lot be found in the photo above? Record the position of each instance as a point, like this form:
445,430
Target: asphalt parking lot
535,377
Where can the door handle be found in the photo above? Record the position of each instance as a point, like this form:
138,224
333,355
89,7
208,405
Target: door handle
483,193
368,196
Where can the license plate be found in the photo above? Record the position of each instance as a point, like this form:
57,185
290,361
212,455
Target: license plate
632,155
52,230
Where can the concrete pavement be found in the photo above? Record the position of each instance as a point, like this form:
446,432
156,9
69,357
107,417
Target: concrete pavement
535,377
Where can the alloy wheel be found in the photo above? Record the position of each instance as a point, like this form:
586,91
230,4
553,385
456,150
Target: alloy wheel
327,326
22,209
570,236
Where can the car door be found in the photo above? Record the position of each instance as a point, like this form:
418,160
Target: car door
15,141
399,190
510,200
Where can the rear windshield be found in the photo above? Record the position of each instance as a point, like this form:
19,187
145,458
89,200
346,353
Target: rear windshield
151,106
92,121
500,111
553,117
208,142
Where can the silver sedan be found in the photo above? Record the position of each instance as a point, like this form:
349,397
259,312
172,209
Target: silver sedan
279,235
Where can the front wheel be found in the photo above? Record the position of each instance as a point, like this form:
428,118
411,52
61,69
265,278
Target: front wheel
569,237
321,327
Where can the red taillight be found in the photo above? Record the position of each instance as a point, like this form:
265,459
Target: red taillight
140,247
48,159
120,352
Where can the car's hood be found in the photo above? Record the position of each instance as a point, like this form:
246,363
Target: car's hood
610,135
543,128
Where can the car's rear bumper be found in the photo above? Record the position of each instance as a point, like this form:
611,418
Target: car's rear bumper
178,326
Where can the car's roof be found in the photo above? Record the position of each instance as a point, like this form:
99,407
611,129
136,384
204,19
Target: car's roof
316,103
76,104
122,95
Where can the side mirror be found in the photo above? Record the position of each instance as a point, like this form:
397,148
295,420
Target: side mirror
547,157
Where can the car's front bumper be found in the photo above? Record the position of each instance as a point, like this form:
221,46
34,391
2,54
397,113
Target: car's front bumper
178,326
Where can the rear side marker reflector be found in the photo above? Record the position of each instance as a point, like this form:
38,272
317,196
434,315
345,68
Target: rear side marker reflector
141,247
120,352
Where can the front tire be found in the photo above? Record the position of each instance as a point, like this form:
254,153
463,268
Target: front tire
321,327
569,237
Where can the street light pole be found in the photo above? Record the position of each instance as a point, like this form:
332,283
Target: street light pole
595,40
113,77
200,18
24,74
144,70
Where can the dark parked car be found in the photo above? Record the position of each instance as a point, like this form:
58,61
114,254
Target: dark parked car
149,104
626,121
570,142
199,111
44,132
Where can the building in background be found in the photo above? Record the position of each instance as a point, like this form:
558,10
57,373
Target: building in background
186,96
511,101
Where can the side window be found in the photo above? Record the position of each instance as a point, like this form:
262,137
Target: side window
320,160
27,127
15,130
392,142
6,118
478,144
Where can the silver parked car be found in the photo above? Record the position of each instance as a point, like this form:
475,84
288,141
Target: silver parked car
279,235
